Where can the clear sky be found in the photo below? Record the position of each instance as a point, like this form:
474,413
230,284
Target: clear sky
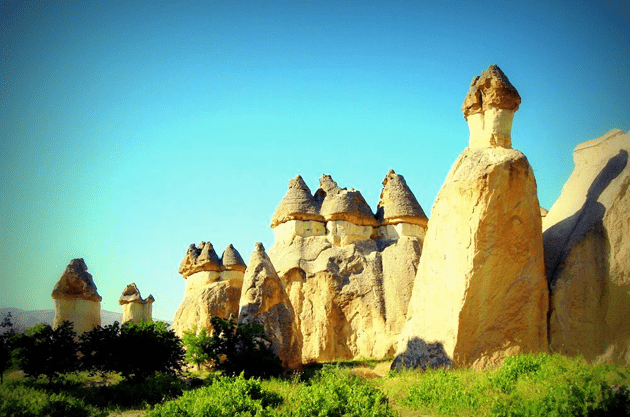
131,129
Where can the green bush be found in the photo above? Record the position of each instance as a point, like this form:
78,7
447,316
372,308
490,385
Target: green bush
19,400
197,346
515,367
136,350
241,348
224,397
44,351
334,392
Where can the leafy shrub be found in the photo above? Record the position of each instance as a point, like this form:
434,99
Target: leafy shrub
337,393
197,346
6,344
243,348
18,400
136,350
224,397
44,351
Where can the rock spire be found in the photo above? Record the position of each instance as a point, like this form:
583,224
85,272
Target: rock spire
232,260
343,204
297,204
398,204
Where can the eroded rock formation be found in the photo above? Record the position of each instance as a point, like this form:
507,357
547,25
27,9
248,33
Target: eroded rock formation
213,286
480,292
349,283
135,308
587,254
264,301
76,298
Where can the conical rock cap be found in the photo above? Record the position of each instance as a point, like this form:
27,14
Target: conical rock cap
77,283
202,258
131,294
297,204
398,204
343,204
232,260
491,89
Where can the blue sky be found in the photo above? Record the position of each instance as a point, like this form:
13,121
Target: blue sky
131,129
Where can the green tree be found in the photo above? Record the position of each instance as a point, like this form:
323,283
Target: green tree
43,350
100,349
6,344
196,346
242,348
148,348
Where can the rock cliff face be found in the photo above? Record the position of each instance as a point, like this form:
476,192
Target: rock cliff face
480,292
76,298
264,301
349,286
587,254
135,308
213,286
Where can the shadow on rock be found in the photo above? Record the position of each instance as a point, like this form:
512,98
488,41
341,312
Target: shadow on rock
420,354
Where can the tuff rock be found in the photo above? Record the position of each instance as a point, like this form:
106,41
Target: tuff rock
264,301
480,293
587,254
135,308
76,298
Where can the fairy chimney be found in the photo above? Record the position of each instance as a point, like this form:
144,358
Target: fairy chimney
135,308
489,109
398,212
348,216
76,298
297,214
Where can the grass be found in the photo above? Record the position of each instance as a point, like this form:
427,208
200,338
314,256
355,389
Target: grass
526,385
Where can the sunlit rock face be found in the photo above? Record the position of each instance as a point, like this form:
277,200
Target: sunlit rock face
587,254
350,288
135,308
76,298
480,293
264,301
213,287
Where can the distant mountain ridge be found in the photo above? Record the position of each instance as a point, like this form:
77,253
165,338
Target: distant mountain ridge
29,318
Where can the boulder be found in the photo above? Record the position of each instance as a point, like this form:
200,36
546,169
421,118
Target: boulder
76,298
265,302
586,235
135,308
213,287
480,293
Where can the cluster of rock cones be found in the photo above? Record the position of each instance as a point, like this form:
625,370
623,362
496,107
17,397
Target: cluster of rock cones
492,274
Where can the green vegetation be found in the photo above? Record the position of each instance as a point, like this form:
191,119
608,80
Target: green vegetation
233,349
105,371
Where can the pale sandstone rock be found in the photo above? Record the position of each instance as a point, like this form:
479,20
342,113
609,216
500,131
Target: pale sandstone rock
396,231
135,308
480,293
398,204
350,301
342,233
297,204
213,290
489,109
76,298
587,254
343,204
265,302
304,228
202,258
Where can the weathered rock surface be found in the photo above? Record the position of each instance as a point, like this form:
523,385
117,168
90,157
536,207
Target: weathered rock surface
587,254
213,287
135,308
350,288
76,298
264,301
489,109
350,301
297,204
480,293
343,204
